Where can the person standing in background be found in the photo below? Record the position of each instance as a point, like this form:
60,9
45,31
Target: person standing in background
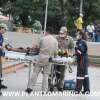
91,31
79,23
3,29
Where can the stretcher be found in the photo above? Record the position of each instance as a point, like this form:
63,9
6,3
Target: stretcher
31,59
22,57
64,62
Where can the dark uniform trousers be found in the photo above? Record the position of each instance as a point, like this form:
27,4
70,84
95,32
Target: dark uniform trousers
82,75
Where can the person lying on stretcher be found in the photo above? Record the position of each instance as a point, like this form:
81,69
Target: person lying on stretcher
27,50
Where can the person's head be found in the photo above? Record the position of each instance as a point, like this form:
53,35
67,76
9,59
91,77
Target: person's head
81,35
3,28
81,15
91,23
63,32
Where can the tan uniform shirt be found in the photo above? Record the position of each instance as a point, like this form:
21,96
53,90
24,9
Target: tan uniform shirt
66,43
48,47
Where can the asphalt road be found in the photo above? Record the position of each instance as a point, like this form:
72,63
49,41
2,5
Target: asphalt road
18,82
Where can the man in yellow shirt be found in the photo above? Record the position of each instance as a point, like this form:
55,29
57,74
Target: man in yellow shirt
79,23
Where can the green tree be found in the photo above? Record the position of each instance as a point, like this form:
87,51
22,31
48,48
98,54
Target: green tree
60,12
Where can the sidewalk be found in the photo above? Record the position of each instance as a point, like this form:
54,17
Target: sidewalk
94,49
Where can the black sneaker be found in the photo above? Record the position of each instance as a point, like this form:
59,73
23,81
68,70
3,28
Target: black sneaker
86,92
28,90
0,93
1,80
60,89
3,86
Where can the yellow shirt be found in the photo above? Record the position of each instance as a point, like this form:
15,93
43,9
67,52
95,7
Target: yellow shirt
79,23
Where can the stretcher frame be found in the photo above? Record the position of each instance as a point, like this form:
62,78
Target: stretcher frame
53,80
25,60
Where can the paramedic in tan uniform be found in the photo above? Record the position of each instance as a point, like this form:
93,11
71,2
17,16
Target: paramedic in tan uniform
48,47
64,42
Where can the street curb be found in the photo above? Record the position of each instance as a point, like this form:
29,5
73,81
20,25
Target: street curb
94,60
13,68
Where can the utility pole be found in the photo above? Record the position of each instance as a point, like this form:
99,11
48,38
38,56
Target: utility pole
46,12
81,6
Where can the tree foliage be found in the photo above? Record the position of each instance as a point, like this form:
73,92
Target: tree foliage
60,12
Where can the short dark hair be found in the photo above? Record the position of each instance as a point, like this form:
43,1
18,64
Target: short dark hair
1,27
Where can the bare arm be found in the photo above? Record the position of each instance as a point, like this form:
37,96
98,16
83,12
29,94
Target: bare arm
35,48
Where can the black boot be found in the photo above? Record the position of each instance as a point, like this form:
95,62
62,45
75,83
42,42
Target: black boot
0,93
86,92
86,86
28,90
2,86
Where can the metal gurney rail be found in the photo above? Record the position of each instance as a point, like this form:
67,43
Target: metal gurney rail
22,57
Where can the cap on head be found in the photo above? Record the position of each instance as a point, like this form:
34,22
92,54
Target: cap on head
63,29
2,25
81,14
